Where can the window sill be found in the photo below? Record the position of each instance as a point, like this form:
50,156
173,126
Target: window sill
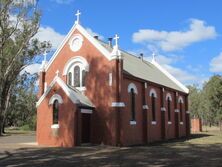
55,126
153,122
181,123
81,88
132,122
169,122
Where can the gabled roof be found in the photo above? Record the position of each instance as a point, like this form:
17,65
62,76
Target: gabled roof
150,71
78,27
75,96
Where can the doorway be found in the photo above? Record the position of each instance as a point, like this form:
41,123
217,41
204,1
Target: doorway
86,128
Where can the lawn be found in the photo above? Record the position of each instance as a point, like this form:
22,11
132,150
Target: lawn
202,149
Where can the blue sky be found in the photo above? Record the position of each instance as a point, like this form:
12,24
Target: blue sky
185,35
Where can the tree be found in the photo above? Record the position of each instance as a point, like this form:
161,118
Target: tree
213,93
194,101
19,22
21,110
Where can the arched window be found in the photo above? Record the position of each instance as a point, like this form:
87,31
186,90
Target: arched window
77,76
169,108
69,79
78,67
55,112
181,111
153,100
83,77
133,115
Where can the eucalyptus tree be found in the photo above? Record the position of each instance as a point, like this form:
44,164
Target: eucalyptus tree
19,23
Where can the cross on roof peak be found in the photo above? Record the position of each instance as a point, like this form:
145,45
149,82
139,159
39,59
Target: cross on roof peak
116,39
153,55
45,54
57,73
77,16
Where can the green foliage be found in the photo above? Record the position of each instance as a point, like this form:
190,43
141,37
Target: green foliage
19,22
206,103
22,110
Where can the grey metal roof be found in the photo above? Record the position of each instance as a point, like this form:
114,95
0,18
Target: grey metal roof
83,100
145,70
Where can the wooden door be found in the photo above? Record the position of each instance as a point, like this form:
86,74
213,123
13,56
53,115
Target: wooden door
86,120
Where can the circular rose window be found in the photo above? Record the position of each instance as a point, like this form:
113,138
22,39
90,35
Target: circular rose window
76,42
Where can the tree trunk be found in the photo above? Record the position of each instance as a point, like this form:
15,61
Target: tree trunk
220,125
1,125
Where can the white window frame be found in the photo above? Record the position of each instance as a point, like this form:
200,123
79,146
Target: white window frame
69,67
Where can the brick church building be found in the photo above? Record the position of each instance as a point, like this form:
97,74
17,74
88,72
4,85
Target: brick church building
91,91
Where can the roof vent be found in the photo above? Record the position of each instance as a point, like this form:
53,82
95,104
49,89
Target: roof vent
110,40
96,37
141,56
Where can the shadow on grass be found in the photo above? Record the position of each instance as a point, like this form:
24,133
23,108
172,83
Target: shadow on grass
161,155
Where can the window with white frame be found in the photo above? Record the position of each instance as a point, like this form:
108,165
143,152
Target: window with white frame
76,70
153,96
132,90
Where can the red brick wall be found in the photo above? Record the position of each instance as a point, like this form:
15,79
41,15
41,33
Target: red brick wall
66,116
196,125
154,131
170,128
131,134
104,117
97,88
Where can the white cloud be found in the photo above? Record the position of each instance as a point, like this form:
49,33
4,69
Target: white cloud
175,40
216,63
91,32
63,1
32,69
49,34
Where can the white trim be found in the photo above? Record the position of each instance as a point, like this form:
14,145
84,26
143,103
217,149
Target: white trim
86,111
168,95
132,122
180,99
118,104
177,110
86,35
187,112
145,85
75,60
132,86
162,109
169,122
153,91
145,107
110,79
55,97
55,126
81,89
74,37
181,123
63,86
153,122
45,86
172,78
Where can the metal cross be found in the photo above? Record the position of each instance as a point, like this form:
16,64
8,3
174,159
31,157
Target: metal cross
154,55
57,73
116,39
45,54
77,16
